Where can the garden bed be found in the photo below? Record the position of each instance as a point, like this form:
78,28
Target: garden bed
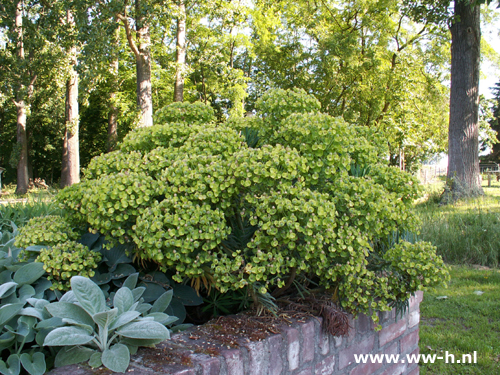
296,346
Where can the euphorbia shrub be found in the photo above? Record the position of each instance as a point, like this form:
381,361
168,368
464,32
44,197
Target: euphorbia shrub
288,193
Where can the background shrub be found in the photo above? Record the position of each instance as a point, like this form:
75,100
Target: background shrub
294,193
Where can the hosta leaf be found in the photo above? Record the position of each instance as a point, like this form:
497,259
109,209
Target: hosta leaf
88,294
67,336
116,358
35,364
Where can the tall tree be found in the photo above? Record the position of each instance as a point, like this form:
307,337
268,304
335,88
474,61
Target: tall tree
180,55
70,171
463,135
141,49
20,103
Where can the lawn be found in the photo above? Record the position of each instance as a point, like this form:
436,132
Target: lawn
465,317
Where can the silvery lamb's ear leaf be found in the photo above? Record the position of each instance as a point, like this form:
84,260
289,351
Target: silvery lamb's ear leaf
72,355
88,294
65,336
123,300
69,297
29,273
35,364
131,281
124,318
138,292
144,329
95,360
7,289
12,367
162,303
71,311
116,358
105,318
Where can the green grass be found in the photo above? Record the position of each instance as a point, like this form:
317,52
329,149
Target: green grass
21,212
467,232
463,322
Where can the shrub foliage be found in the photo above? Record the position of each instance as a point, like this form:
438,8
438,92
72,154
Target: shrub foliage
258,201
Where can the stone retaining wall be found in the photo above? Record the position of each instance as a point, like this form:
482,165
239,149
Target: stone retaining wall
298,349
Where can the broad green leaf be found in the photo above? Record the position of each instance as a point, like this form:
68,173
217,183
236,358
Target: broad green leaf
29,273
104,319
140,342
187,295
123,300
88,294
12,367
72,355
144,330
162,303
116,358
7,338
7,289
153,292
70,311
35,364
95,360
67,336
124,318
123,270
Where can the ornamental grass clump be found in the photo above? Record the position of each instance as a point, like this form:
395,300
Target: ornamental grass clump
262,202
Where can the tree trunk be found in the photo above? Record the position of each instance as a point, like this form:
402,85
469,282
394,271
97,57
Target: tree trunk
463,143
70,173
143,67
22,138
113,109
180,57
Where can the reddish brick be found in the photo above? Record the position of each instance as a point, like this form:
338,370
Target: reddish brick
346,356
293,350
257,354
391,332
413,318
409,342
366,368
352,330
392,348
338,341
364,324
210,366
275,354
386,316
308,341
326,366
234,361
415,300
323,341
396,369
